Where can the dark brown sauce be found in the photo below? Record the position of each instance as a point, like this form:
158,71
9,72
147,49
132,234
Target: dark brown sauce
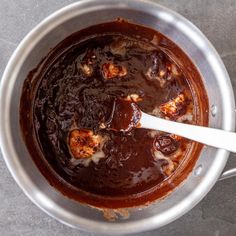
73,91
125,116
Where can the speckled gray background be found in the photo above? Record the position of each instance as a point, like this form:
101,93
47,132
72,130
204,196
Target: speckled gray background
215,215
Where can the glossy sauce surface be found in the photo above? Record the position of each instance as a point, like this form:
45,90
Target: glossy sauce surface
74,94
125,116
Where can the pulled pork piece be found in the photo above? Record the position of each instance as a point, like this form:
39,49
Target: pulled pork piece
118,47
86,69
110,71
175,107
161,69
87,62
89,57
133,98
174,69
166,144
83,143
163,77
167,165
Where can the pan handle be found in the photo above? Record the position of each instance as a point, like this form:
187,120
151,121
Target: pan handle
228,174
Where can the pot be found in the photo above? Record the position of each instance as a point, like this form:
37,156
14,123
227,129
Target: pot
54,29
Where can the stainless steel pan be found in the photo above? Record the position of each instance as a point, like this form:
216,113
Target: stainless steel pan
51,31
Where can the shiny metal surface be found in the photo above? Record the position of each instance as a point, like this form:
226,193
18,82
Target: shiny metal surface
228,174
51,31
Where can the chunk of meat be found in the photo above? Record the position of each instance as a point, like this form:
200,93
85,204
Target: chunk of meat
83,143
89,57
133,98
162,76
118,47
174,69
161,68
175,107
167,165
87,62
86,69
110,71
165,144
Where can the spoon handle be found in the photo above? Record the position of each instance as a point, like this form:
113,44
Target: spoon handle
210,136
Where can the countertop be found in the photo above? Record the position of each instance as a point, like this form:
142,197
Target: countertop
215,215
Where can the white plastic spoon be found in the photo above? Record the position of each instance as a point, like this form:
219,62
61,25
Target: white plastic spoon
209,136
127,115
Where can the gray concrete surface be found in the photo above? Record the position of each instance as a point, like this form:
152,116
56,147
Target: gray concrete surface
215,215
